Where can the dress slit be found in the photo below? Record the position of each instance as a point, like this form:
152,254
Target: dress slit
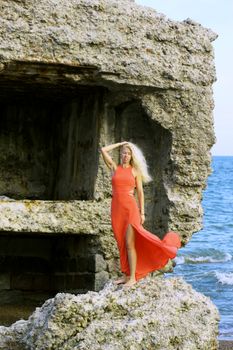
153,253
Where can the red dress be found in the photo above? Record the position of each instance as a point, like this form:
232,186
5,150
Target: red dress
152,252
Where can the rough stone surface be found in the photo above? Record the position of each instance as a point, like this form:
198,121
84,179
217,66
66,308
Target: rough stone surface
77,217
63,217
79,74
125,42
153,85
10,338
157,313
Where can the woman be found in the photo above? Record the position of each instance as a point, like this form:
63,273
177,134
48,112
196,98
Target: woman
140,251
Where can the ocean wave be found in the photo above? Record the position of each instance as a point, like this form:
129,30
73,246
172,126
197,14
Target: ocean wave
224,277
179,260
203,259
226,333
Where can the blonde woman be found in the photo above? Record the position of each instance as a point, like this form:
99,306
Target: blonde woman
140,251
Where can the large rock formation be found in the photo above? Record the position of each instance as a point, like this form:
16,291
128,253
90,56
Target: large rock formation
82,73
75,75
157,314
150,81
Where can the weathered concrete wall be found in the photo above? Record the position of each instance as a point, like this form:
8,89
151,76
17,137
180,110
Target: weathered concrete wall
80,74
49,146
51,263
127,43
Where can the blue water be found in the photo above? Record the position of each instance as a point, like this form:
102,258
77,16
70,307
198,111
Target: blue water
207,260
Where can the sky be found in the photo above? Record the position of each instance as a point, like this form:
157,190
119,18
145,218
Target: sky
217,15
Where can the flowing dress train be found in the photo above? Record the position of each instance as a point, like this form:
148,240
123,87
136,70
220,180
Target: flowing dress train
152,252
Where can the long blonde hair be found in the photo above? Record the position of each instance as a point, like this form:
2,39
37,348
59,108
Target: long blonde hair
138,161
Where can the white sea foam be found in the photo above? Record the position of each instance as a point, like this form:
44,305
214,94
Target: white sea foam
210,259
179,260
225,278
202,259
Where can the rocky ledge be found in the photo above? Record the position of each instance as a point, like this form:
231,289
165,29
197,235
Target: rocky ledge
157,313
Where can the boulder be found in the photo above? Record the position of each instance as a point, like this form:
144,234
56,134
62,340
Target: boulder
157,313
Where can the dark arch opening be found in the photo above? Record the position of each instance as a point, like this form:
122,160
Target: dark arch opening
49,142
34,268
133,124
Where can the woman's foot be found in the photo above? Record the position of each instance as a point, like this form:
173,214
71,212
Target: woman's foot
121,280
131,282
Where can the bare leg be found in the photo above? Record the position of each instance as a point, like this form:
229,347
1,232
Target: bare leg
132,255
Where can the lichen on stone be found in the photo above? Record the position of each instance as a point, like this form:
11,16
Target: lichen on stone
157,313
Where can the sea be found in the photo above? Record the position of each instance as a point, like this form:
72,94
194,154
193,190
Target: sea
206,262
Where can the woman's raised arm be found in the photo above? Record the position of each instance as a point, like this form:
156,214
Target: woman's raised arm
107,158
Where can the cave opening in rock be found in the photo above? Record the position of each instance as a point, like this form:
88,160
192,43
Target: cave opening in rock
35,267
49,142
133,123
